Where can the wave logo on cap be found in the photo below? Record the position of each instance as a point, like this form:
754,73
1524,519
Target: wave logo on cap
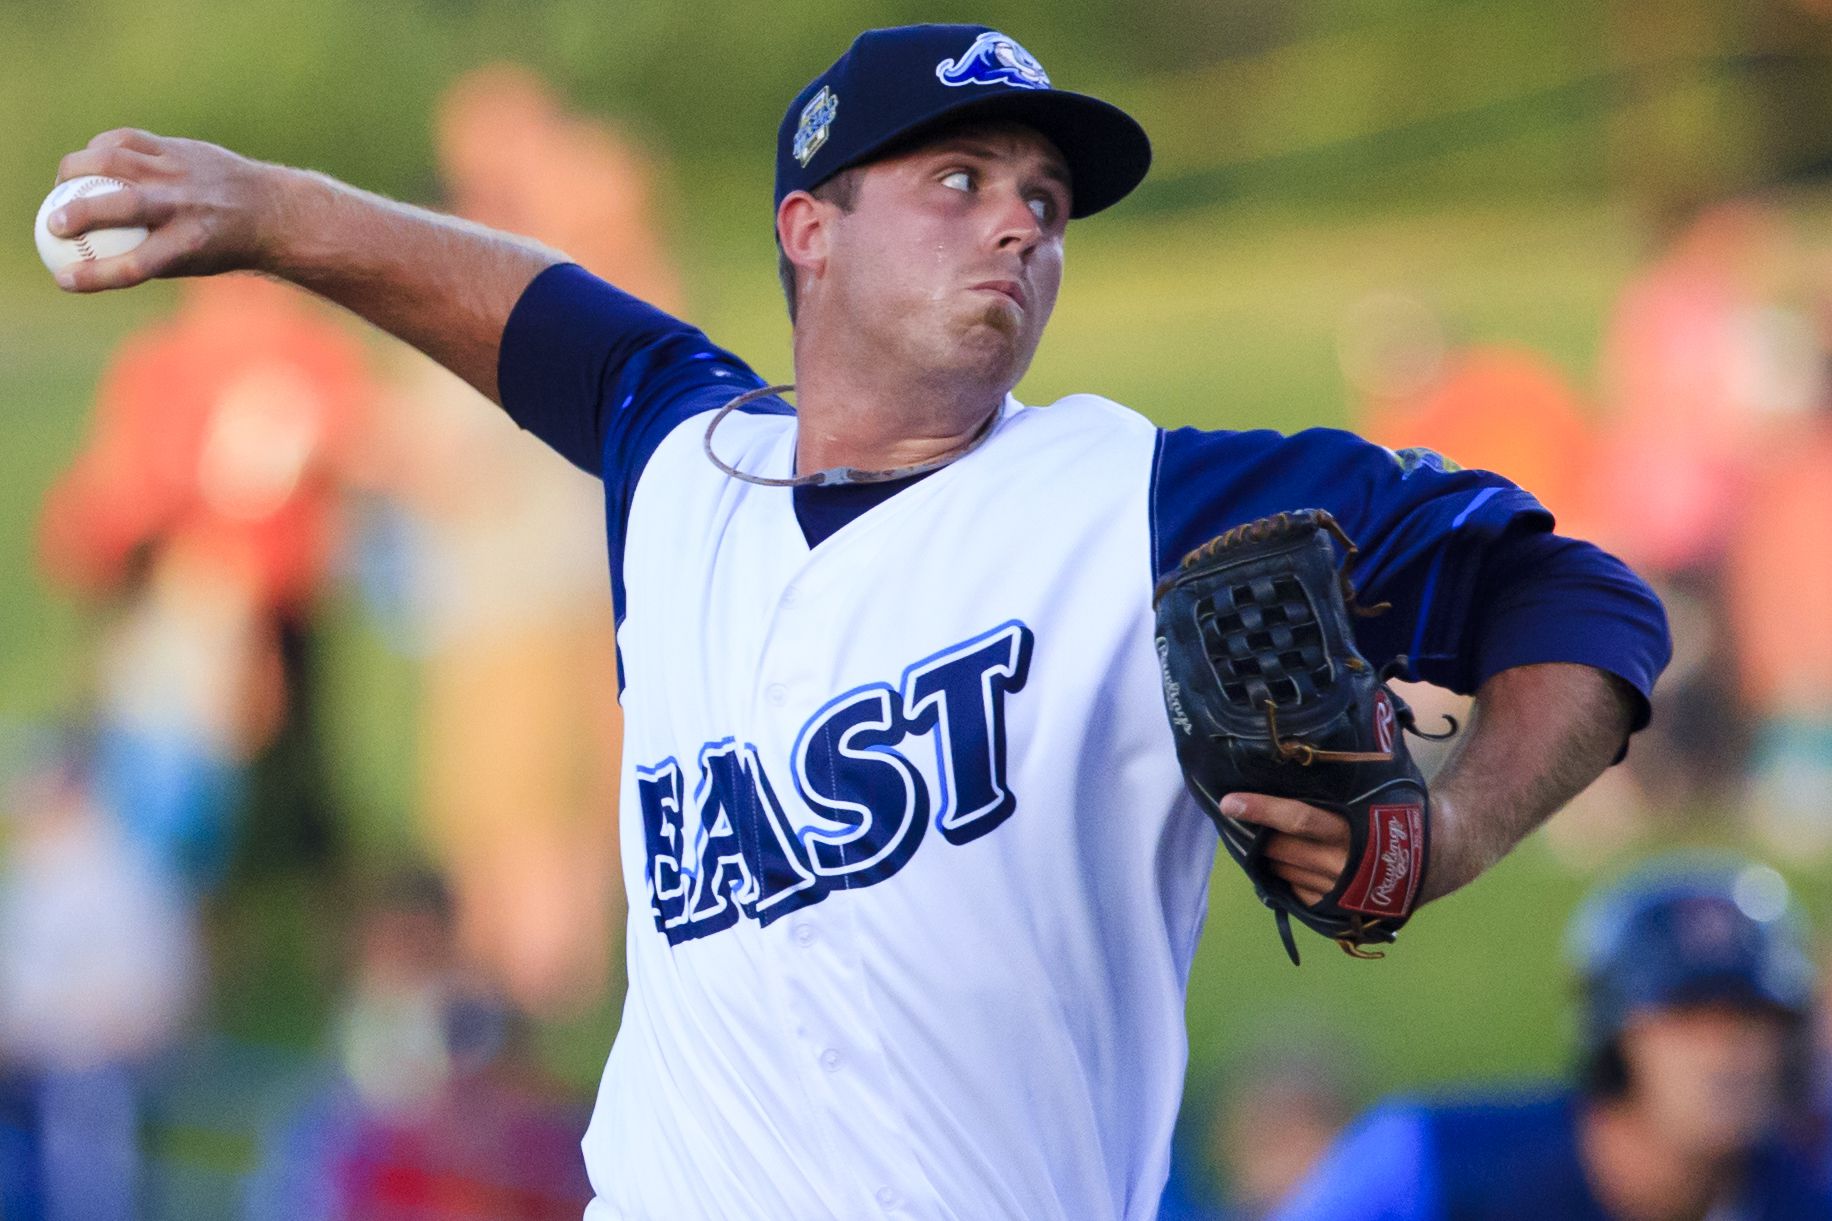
816,118
994,59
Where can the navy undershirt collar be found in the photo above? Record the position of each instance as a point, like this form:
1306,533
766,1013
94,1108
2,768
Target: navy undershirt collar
824,510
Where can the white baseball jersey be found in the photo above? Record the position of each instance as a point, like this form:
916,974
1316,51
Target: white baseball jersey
922,879
915,883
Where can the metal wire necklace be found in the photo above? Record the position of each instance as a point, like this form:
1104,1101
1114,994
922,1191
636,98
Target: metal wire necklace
834,476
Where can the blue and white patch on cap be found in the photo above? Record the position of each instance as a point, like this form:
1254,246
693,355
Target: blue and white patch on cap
816,118
994,59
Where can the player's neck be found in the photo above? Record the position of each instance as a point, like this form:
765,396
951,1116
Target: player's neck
880,418
1639,1176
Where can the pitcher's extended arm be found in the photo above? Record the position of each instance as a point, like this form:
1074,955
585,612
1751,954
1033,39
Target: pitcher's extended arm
444,285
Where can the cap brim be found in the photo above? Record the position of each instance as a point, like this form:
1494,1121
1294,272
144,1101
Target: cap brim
1108,153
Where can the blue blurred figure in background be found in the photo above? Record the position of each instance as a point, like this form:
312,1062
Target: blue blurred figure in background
100,969
1691,1102
435,1107
1245,1141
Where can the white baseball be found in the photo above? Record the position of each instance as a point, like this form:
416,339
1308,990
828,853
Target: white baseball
60,252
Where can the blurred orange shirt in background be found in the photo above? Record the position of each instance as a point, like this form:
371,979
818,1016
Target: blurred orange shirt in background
217,431
1692,373
1502,409
1779,583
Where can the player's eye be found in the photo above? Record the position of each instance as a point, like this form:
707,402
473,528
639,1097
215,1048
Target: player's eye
1042,209
958,180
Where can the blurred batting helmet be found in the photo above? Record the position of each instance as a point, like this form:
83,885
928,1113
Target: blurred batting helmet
1680,932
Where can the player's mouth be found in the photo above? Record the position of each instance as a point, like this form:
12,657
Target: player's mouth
1008,288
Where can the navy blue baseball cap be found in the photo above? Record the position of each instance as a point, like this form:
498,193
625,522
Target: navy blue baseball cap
894,84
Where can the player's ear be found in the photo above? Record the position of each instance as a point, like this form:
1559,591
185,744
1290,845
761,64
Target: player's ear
802,229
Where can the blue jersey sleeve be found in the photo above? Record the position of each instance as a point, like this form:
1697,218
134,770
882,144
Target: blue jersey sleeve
603,377
1543,597
1382,1169
1476,580
1421,525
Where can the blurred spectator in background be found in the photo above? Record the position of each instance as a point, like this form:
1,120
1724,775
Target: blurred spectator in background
504,554
435,1109
204,508
1822,1072
1242,1147
1780,613
99,968
1493,407
1692,1092
514,157
1699,357
1701,360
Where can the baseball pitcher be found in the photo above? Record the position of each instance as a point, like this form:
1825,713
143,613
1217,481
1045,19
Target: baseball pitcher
913,672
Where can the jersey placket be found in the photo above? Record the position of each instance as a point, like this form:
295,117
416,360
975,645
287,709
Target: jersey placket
829,1016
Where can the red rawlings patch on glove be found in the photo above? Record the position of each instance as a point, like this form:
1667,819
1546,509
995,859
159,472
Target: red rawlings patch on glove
1388,879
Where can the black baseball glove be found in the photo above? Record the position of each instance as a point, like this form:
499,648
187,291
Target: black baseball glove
1267,694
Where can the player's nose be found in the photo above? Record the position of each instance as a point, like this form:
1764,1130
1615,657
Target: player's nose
1016,226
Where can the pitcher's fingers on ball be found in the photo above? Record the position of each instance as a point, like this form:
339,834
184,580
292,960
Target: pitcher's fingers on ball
158,254
121,208
128,137
1287,815
112,161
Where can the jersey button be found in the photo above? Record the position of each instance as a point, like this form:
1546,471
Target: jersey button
830,1059
777,694
788,595
805,934
887,1198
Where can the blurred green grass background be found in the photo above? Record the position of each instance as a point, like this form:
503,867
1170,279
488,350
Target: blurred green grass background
1508,162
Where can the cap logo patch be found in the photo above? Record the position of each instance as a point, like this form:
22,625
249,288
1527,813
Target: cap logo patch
816,118
994,59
